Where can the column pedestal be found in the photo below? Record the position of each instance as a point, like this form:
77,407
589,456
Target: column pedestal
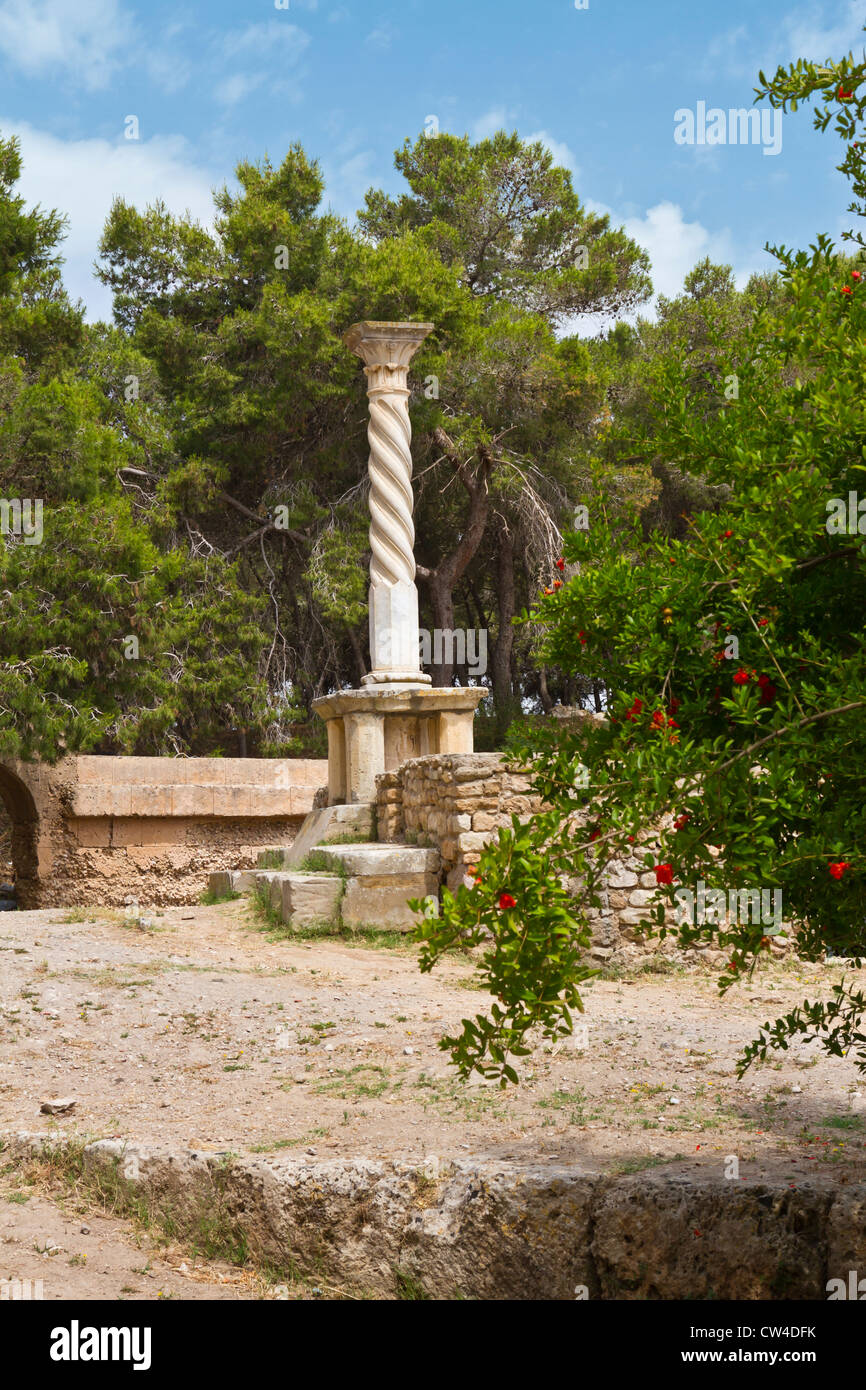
376,729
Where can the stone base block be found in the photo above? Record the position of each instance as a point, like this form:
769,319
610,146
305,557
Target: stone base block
384,902
380,881
226,881
309,899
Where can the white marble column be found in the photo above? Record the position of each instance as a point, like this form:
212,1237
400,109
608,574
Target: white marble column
386,350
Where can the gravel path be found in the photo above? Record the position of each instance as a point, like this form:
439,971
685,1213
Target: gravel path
206,1032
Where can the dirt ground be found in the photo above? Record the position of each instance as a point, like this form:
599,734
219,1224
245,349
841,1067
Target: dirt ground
206,1032
65,1249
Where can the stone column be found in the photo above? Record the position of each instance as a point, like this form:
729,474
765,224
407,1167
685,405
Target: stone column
386,350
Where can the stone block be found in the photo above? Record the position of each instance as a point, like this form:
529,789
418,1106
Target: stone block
92,832
632,917
308,899
623,879
382,860
126,832
641,897
93,770
470,842
225,881
150,800
383,901
231,800
192,801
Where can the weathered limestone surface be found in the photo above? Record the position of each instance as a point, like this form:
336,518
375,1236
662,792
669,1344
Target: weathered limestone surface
307,900
322,826
380,880
374,730
104,830
489,1230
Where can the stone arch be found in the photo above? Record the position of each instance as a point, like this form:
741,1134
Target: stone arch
21,809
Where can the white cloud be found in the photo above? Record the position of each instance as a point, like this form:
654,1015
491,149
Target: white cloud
804,33
497,118
818,41
238,87
275,46
346,183
381,37
562,155
89,39
265,40
674,246
82,177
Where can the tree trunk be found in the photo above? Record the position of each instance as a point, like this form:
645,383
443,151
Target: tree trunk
443,579
546,700
360,667
503,693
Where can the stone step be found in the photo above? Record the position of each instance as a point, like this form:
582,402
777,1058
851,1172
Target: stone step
322,827
380,880
226,881
365,859
308,900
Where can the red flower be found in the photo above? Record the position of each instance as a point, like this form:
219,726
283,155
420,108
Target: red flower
682,821
843,96
741,677
732,965
768,690
727,535
557,583
658,719
672,724
506,900
548,591
837,870
664,873
674,706
631,839
560,564
636,709
581,637
762,622
595,834
846,289
855,275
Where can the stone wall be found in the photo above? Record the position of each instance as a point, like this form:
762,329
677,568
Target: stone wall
458,802
455,801
102,830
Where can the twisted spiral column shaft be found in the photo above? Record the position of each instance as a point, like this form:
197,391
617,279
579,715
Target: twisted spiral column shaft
392,530
386,350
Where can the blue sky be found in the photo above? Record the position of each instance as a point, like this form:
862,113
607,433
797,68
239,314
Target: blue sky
215,81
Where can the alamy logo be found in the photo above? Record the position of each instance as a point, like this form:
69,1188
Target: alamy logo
739,126
741,905
22,517
855,1289
460,647
21,1290
846,518
77,1343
